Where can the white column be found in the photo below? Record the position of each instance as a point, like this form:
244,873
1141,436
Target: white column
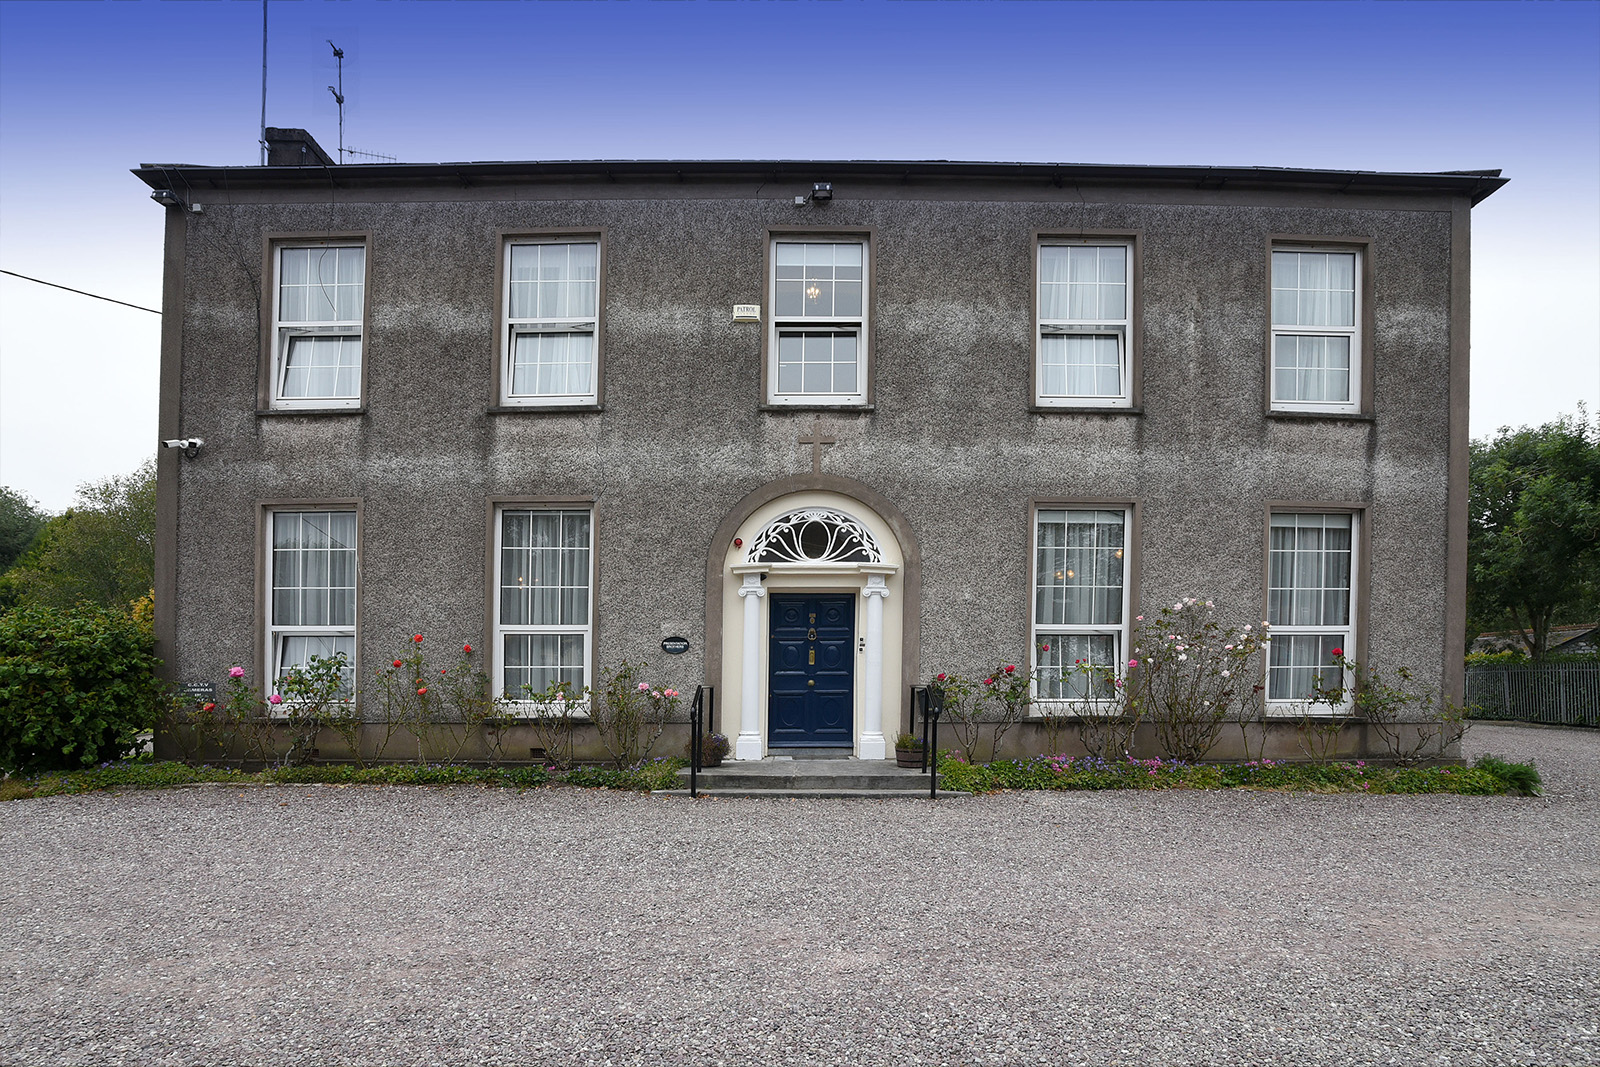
872,744
748,745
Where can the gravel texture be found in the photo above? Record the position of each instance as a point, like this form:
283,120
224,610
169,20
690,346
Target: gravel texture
370,925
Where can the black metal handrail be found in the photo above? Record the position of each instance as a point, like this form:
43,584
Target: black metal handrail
705,700
929,700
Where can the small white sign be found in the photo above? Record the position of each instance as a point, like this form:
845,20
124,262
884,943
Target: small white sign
747,313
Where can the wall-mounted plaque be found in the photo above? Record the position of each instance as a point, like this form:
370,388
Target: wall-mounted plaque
674,646
198,691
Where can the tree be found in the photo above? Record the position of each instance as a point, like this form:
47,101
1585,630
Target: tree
1533,548
100,551
20,522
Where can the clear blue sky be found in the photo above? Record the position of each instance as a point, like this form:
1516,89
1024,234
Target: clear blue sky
90,89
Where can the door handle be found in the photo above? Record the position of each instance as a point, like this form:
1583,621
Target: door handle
811,681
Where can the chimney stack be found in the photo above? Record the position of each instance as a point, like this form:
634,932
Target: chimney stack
289,147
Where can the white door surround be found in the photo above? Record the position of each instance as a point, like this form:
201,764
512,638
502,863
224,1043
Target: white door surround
813,539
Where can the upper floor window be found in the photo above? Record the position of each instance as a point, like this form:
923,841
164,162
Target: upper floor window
311,573
1311,558
817,348
1079,594
1316,340
1085,322
543,610
317,324
552,301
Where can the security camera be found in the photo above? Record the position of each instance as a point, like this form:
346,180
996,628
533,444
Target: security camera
190,445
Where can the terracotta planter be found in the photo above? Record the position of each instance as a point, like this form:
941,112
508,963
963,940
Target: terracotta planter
908,757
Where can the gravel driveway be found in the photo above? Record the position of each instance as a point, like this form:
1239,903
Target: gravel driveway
371,925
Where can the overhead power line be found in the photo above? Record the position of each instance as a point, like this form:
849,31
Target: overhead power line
80,292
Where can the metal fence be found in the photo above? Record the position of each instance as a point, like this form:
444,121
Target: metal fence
1563,694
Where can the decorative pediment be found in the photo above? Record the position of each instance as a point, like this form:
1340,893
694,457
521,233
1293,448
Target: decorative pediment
814,535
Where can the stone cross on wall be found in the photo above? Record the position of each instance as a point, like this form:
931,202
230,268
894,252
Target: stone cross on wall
816,441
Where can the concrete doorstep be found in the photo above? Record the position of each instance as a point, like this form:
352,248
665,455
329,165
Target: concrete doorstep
786,777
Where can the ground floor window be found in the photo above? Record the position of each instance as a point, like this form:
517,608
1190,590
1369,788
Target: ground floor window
1079,608
544,598
1310,562
311,570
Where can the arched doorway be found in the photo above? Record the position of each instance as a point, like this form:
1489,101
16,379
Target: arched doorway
812,617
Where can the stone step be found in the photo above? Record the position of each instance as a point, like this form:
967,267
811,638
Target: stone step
809,777
827,793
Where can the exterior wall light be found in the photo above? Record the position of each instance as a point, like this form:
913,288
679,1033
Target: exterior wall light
822,191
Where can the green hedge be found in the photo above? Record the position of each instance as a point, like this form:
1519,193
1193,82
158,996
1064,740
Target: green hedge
1487,777
77,687
139,774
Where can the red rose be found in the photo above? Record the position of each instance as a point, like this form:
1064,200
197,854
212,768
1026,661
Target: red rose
1338,652
1011,668
424,689
417,637
443,671
467,649
988,681
1045,648
941,677
208,707
397,663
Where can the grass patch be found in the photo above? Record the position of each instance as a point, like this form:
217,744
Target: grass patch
139,774
1487,777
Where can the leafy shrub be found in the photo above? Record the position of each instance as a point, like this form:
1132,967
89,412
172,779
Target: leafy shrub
77,687
1522,778
630,715
1190,675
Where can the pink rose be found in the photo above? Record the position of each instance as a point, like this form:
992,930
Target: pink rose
274,699
1133,663
236,672
1138,618
644,687
1044,648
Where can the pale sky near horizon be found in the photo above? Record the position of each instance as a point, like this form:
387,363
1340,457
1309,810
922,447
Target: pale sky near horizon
89,90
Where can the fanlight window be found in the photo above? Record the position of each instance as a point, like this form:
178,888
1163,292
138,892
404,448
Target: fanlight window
815,535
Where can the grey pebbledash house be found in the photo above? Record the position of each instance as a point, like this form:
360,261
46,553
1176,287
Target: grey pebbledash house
838,425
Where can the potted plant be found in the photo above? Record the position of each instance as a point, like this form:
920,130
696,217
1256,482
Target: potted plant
714,748
908,751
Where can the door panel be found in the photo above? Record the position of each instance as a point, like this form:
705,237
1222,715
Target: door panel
811,699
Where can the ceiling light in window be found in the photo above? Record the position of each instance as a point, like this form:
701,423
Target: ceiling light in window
1118,553
813,292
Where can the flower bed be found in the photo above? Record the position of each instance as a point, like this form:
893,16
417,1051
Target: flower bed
1487,777
652,774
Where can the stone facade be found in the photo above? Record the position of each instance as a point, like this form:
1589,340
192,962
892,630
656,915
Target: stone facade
947,457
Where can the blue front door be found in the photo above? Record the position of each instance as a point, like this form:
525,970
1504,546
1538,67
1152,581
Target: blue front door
812,696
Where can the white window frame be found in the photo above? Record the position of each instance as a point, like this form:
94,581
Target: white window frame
1345,634
1040,633
503,630
852,325
1121,329
283,333
1352,332
275,632
511,329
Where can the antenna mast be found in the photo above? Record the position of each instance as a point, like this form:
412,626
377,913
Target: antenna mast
263,82
338,94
